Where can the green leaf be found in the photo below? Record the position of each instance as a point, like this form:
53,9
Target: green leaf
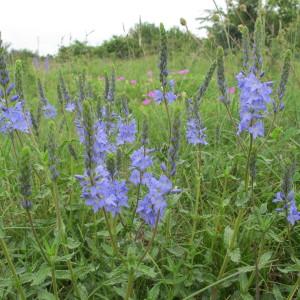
145,270
72,244
277,293
235,255
40,276
82,291
45,295
263,260
228,234
153,294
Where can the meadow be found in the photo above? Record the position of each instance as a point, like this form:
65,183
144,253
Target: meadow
151,178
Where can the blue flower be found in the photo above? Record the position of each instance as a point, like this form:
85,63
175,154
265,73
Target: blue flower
152,207
195,132
49,111
140,159
14,118
127,132
70,106
254,98
104,192
293,214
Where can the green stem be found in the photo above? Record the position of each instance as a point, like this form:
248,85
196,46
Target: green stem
169,118
129,284
112,238
12,269
248,164
294,289
198,194
152,239
54,284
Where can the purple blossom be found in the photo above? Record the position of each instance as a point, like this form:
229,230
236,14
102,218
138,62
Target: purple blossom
127,132
254,97
158,96
14,118
70,107
104,192
140,159
195,132
49,111
293,214
152,206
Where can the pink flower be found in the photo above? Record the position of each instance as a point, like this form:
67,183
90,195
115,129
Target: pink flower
120,78
231,90
147,101
133,82
183,72
151,94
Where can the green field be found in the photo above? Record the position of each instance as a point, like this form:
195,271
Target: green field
220,236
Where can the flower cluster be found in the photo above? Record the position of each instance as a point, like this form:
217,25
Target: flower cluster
14,118
126,132
152,207
159,96
104,191
195,131
254,97
293,214
48,109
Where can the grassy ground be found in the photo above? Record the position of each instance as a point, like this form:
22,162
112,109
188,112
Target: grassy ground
214,242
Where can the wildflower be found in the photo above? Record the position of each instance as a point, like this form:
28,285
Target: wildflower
293,214
70,106
14,118
183,72
152,207
133,82
120,78
140,159
104,192
49,111
231,90
127,132
195,131
147,101
158,96
254,97
287,196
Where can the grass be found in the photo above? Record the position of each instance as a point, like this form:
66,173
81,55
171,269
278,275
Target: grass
214,242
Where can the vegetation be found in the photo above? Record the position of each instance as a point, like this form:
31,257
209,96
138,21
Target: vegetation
170,177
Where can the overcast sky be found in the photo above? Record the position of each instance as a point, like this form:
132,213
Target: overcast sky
50,23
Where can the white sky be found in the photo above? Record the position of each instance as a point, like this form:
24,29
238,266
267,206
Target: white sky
53,22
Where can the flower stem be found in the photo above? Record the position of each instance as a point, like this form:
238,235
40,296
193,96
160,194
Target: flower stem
129,284
248,163
112,238
198,194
